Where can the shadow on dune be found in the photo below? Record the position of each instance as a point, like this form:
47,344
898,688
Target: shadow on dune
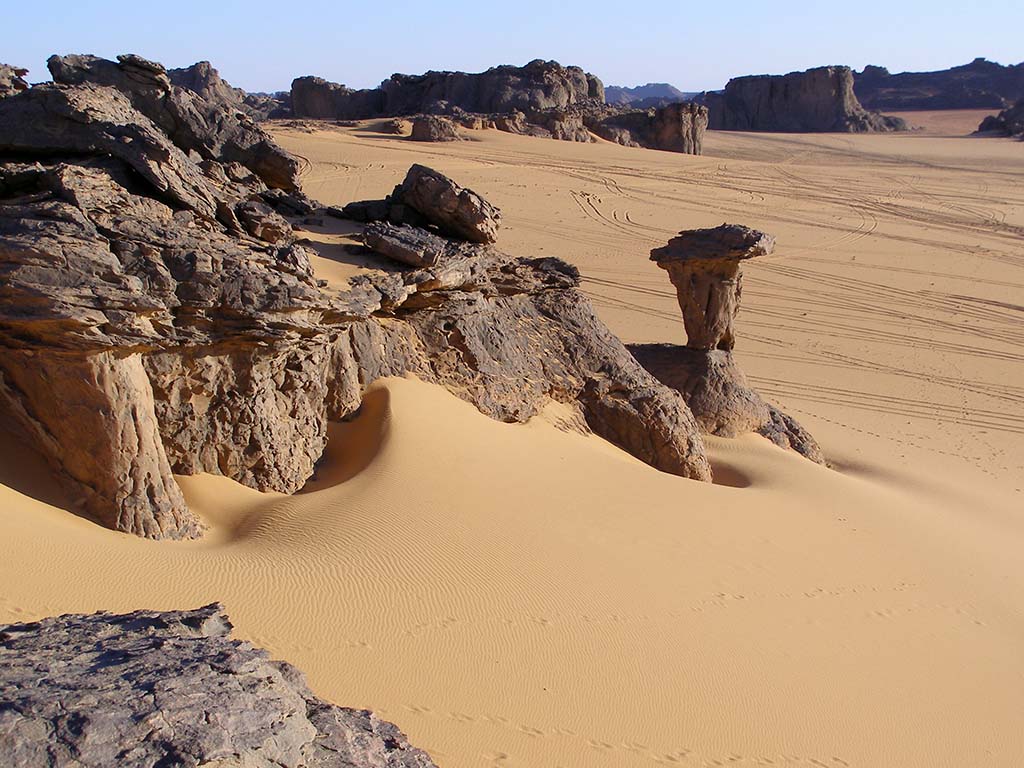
353,444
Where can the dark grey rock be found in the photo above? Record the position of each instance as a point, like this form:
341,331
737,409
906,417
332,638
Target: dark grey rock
1009,122
455,210
12,80
981,84
818,100
149,689
434,128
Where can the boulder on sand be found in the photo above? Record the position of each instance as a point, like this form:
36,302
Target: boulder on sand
434,128
455,210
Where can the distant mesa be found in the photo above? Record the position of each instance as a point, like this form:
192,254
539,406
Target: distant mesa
645,96
981,84
542,99
818,100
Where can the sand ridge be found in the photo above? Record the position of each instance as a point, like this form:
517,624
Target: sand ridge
524,595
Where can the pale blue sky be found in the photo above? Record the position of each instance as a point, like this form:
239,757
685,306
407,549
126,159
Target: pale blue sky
263,45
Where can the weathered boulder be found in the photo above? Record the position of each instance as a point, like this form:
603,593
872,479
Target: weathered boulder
1009,122
12,80
513,122
159,688
210,128
704,265
453,209
434,128
818,100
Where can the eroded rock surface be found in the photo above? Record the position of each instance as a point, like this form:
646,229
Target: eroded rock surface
152,688
705,267
677,127
818,100
12,80
190,120
158,317
981,84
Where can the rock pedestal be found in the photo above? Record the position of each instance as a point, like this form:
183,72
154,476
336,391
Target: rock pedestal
704,266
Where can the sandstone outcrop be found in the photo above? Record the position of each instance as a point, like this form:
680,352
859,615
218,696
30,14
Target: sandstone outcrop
1009,122
206,81
434,128
161,688
981,84
818,100
190,121
676,127
158,317
12,80
705,267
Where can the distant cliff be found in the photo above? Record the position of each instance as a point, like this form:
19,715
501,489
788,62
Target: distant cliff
818,100
981,84
537,86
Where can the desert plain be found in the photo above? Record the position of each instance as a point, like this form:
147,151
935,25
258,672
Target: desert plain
526,595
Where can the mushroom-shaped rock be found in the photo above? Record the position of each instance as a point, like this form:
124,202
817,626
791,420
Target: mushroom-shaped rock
453,209
705,268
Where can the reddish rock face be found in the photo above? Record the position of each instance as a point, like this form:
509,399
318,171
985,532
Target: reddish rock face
704,266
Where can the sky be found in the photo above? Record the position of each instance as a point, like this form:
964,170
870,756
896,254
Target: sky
262,46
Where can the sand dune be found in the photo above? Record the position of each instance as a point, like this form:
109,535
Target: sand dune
524,595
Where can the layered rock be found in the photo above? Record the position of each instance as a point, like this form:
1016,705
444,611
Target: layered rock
980,84
158,688
818,100
157,316
191,121
1009,122
705,267
12,80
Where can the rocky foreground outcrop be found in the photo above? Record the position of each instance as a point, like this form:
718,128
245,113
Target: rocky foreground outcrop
981,84
161,688
1009,122
159,317
818,100
705,267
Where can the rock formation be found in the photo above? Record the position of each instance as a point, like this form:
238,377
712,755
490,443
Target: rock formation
157,316
979,85
818,100
12,80
161,688
434,128
204,80
1009,122
538,85
674,128
192,122
705,266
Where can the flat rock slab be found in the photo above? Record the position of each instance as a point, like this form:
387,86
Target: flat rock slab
153,688
408,245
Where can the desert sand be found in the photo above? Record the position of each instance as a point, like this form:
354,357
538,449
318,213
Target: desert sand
524,595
